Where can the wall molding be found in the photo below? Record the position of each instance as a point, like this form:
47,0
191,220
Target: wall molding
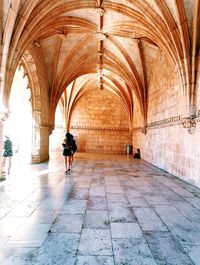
187,122
96,128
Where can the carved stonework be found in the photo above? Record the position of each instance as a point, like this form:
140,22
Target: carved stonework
190,124
98,128
4,116
99,36
100,11
36,133
144,130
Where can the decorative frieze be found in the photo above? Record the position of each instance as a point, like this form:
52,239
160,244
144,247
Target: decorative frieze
188,122
166,122
94,128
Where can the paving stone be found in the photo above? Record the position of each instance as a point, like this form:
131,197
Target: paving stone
96,219
68,224
131,252
97,191
156,200
17,256
95,242
114,189
195,202
182,192
58,249
185,232
81,194
189,212
32,235
125,230
194,253
149,220
97,203
94,260
73,206
42,217
137,201
79,227
120,213
166,250
116,197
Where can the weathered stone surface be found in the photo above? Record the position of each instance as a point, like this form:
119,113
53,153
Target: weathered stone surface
99,229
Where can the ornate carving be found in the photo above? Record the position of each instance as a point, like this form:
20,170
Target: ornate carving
99,36
144,130
98,128
100,11
4,115
189,123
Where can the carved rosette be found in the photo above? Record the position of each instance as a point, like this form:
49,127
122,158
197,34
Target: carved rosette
190,124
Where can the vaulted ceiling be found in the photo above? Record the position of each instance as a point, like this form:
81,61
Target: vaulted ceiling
103,44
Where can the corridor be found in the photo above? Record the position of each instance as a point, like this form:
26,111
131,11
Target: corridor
111,210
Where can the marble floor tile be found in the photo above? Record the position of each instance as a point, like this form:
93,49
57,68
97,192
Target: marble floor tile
183,229
125,230
137,201
111,210
96,219
116,197
17,256
74,206
94,260
194,253
97,191
58,249
114,189
166,250
97,203
121,213
67,223
95,242
80,194
149,220
131,252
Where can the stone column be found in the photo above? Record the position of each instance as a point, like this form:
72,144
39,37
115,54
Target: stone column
40,139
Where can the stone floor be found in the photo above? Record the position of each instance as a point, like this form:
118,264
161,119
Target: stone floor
110,210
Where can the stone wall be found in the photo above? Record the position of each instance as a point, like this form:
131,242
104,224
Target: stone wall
167,144
100,124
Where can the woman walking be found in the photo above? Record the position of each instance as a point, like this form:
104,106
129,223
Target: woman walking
70,148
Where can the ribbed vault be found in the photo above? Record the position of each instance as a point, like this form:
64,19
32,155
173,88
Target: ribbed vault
110,45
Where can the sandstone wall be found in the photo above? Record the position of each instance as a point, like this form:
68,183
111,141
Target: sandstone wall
100,124
167,144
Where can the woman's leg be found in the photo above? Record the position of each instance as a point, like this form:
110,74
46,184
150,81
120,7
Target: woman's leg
70,161
9,163
66,162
